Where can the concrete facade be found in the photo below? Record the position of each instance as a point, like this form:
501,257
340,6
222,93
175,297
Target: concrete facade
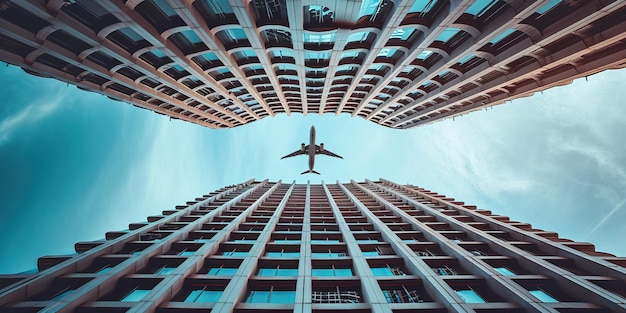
401,64
373,246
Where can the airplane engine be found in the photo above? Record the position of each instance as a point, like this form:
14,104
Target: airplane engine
302,146
321,147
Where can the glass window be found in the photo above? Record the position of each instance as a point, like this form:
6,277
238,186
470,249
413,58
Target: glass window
370,253
479,7
158,53
191,36
357,37
386,52
424,54
447,34
548,6
319,38
135,295
422,6
61,295
204,296
165,270
236,34
287,241
104,270
504,271
382,271
224,271
235,253
331,272
470,296
271,296
502,36
201,240
368,7
186,253
278,272
402,33
279,254
317,241
542,295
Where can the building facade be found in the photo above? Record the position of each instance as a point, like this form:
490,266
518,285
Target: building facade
400,63
373,246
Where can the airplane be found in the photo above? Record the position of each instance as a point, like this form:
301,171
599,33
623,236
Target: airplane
312,149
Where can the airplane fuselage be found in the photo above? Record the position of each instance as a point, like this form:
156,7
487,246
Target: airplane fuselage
312,148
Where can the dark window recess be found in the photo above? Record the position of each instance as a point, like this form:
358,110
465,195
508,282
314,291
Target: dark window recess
128,40
22,18
51,61
122,89
150,82
277,37
154,60
73,70
96,79
160,14
270,10
130,72
68,42
90,14
215,12
187,45
13,46
103,60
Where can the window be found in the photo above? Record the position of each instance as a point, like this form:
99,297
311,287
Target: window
61,294
422,6
444,271
104,270
336,295
470,296
402,33
271,296
447,34
402,295
479,7
424,54
135,295
387,271
165,270
333,271
278,272
222,271
319,37
543,296
548,6
287,241
186,253
327,254
323,241
502,35
282,254
504,271
202,295
235,253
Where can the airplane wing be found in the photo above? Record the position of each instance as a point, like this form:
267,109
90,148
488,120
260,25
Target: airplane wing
299,152
326,152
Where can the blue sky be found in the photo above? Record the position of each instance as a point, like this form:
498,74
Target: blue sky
76,164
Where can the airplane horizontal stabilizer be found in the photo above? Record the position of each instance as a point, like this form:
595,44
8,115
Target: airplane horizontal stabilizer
310,172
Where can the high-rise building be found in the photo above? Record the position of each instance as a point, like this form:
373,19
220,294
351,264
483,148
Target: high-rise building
374,246
398,63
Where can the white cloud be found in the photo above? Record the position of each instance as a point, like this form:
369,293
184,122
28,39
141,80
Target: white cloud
29,115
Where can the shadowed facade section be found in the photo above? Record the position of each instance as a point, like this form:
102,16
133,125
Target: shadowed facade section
400,64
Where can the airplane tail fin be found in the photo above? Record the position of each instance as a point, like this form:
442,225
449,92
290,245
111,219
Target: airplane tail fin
310,172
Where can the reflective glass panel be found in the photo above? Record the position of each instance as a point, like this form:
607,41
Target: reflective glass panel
204,296
135,295
542,295
382,271
504,271
470,296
